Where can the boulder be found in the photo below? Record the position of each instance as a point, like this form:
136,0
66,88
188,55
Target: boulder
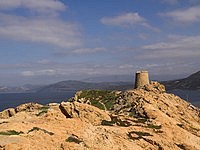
7,113
28,107
79,110
155,87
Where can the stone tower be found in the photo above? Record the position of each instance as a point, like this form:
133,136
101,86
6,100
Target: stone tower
141,78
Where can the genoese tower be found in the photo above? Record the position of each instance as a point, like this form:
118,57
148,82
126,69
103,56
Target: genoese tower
141,78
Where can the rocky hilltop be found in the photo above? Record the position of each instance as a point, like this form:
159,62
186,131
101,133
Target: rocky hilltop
144,118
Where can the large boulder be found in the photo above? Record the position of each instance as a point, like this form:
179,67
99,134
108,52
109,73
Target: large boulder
79,110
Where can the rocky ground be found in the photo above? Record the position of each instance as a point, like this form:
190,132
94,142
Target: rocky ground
145,118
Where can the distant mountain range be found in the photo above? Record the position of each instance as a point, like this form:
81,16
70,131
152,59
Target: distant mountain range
72,85
20,89
190,83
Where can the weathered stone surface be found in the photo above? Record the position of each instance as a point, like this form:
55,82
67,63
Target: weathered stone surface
79,110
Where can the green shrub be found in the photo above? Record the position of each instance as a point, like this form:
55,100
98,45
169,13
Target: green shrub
154,126
37,129
45,107
107,123
141,120
139,133
96,97
97,104
11,132
43,110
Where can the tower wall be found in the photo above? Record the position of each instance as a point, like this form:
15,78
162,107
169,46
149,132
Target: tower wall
141,78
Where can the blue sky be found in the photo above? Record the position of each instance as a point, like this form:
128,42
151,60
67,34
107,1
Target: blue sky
44,41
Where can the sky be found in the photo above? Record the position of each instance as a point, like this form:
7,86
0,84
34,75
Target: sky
45,41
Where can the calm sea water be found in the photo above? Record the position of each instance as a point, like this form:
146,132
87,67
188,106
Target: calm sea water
9,100
188,95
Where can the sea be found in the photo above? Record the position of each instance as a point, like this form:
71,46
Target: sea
12,100
192,96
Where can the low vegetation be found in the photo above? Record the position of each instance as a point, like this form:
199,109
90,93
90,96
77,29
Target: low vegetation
43,110
154,126
139,133
102,99
39,129
107,123
11,132
140,120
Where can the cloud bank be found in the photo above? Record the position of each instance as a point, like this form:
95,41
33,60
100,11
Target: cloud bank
175,46
43,29
35,5
189,15
127,20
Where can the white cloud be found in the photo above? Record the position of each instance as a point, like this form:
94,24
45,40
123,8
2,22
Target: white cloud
89,50
35,5
126,66
43,30
127,20
82,69
81,51
189,15
176,46
45,72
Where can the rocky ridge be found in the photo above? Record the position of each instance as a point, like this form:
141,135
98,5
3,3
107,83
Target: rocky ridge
145,118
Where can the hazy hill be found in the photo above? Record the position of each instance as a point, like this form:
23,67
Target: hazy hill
110,78
192,82
72,85
20,89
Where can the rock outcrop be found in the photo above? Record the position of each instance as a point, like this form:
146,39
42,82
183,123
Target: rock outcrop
7,113
147,118
28,107
24,107
84,111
